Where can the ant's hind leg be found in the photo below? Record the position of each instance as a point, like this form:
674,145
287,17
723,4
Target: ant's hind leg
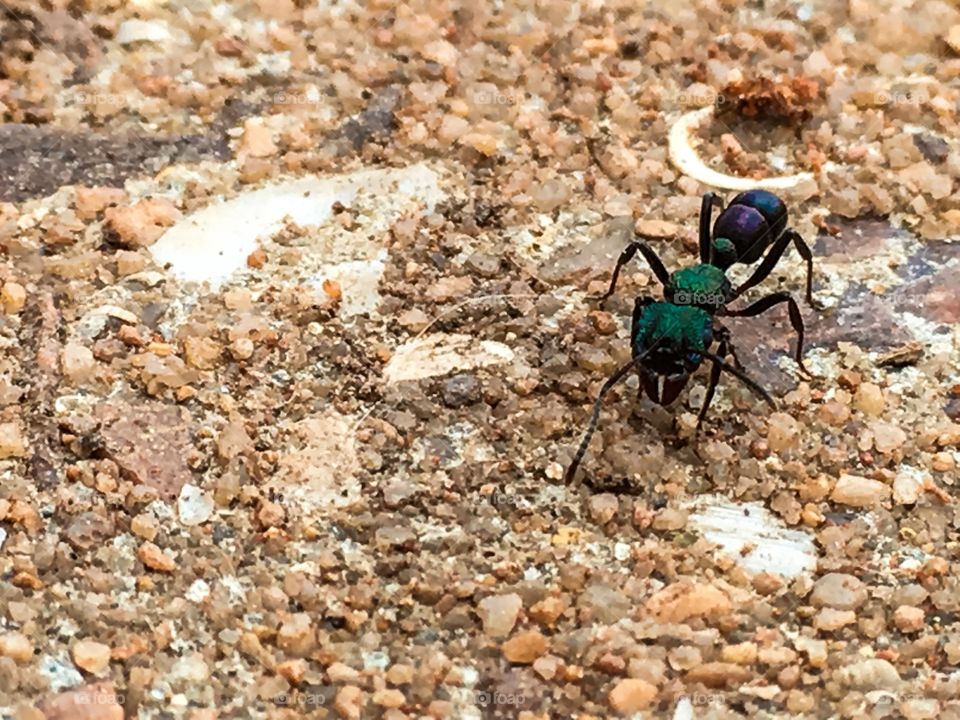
807,255
769,262
796,320
629,252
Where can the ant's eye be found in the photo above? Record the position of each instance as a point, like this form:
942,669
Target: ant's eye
707,337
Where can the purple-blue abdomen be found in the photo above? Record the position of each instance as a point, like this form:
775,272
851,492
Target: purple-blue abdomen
770,206
746,228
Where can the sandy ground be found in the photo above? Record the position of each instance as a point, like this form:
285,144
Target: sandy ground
299,332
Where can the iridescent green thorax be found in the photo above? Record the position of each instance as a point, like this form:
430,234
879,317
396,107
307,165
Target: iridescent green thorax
677,329
702,286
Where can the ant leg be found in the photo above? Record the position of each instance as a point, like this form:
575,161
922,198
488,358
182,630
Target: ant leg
723,334
773,257
742,377
712,387
796,320
595,415
804,250
710,199
766,267
656,264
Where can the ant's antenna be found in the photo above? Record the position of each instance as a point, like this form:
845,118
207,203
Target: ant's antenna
597,407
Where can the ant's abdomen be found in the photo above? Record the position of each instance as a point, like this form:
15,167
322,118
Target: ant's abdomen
752,222
747,229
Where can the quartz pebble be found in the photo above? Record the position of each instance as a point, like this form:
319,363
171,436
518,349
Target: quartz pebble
143,223
839,591
16,646
631,695
91,656
13,297
783,432
194,507
155,559
498,613
872,674
349,702
908,619
12,441
858,491
869,399
682,601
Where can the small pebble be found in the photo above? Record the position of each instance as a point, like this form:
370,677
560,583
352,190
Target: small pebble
858,491
16,646
631,695
909,619
155,559
13,297
91,656
498,613
525,647
869,399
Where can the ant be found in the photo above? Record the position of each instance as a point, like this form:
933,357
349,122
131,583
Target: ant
671,339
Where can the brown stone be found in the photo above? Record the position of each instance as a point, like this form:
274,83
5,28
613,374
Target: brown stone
17,647
296,636
91,656
88,202
155,559
349,702
683,600
150,442
525,647
839,591
143,223
718,674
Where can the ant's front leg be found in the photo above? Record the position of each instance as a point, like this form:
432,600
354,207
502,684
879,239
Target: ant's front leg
723,335
629,252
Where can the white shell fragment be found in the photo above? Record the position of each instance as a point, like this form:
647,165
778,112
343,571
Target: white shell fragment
131,31
439,354
757,540
685,158
194,507
211,244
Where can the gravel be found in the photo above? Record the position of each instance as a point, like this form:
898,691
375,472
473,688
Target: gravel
300,330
